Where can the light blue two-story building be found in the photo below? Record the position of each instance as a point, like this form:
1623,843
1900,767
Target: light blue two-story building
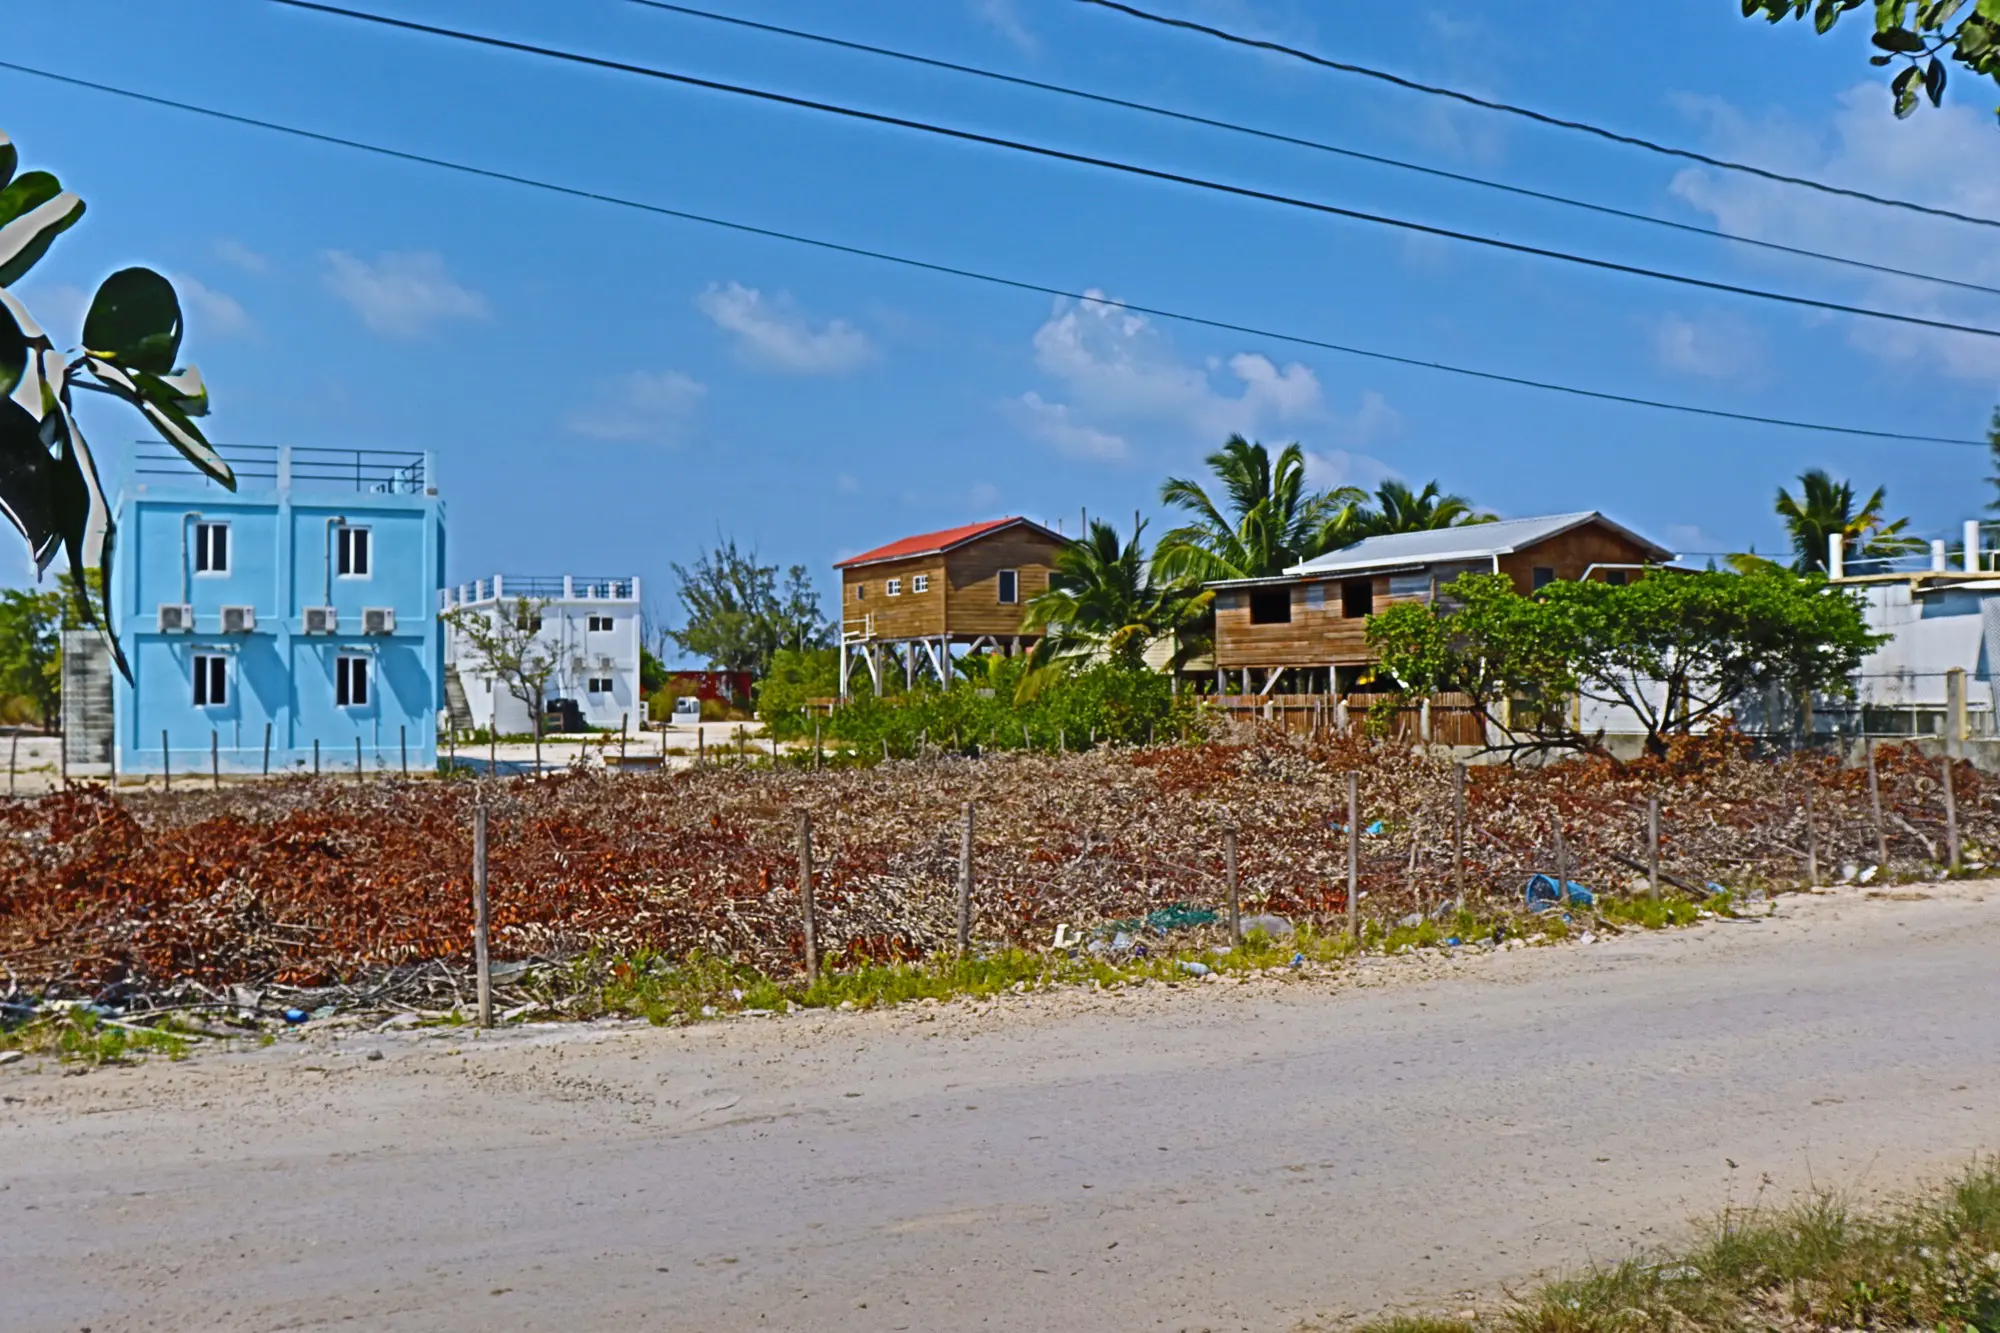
288,624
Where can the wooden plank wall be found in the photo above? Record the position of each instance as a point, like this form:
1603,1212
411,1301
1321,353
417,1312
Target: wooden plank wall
912,615
973,572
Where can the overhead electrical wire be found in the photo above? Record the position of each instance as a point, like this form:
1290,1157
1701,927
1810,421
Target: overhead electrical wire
975,275
1126,168
1317,145
1539,117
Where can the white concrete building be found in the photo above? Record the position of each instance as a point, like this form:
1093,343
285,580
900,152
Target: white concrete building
590,624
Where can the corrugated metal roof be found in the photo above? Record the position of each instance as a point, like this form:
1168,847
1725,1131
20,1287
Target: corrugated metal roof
930,543
1474,541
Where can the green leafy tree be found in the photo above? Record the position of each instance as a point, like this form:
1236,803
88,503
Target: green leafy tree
49,485
31,650
1397,508
738,615
1262,519
1675,648
506,644
1920,36
794,678
1824,507
1103,603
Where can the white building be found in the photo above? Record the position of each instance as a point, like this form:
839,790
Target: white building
591,625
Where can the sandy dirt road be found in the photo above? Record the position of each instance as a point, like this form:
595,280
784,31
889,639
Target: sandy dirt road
1212,1157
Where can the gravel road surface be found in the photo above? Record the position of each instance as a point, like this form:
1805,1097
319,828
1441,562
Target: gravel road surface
1211,1156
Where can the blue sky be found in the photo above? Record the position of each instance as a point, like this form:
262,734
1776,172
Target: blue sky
607,392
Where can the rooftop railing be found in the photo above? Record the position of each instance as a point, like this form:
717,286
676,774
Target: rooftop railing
370,471
542,587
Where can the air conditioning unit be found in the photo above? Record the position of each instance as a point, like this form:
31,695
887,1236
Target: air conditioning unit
378,620
176,618
607,664
321,620
239,619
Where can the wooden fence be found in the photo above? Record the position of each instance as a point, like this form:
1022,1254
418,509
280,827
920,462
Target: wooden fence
1452,719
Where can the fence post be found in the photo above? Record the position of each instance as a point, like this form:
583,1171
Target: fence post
1229,872
1458,833
214,759
700,744
1875,808
1563,859
267,748
965,884
166,763
358,772
1653,844
885,749
816,749
403,744
315,756
624,730
1950,817
1354,856
806,897
13,760
481,919
1812,842
739,741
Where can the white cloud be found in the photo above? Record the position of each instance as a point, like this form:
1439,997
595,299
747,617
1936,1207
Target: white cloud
1946,157
1055,423
1717,347
1001,16
770,332
1341,467
1118,370
232,251
1374,419
214,313
401,295
643,405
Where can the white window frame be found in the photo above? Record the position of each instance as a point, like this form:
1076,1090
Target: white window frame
860,592
893,588
209,677
920,583
347,669
354,547
205,535
1008,580
600,685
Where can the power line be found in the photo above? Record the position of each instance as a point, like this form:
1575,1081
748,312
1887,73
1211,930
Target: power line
1539,117
974,275
1317,145
1130,169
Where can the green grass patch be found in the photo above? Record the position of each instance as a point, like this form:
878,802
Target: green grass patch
1930,1261
77,1036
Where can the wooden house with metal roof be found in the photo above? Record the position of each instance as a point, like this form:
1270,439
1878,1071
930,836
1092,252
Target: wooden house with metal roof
909,603
1311,621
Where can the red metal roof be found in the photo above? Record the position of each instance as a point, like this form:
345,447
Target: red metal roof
929,543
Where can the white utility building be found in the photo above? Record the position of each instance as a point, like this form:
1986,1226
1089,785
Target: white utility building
589,625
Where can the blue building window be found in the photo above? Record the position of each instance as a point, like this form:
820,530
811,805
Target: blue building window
350,682
354,553
211,548
211,680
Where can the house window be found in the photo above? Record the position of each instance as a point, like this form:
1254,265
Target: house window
350,682
211,548
1010,586
1357,598
1270,606
1615,577
211,680
528,622
600,685
893,588
1409,585
1315,596
600,624
1544,576
860,591
353,553
920,583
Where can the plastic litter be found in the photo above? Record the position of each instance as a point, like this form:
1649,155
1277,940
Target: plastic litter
1543,892
1298,960
296,1015
1374,830
1177,917
1412,921
1453,942
1195,969
1276,927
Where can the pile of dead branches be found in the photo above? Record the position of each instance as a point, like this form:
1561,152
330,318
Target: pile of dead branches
306,882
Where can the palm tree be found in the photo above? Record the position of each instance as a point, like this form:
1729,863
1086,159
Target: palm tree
1824,507
1399,509
1267,519
1103,604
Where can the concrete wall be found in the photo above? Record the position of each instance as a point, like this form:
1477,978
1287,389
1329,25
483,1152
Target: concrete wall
580,652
